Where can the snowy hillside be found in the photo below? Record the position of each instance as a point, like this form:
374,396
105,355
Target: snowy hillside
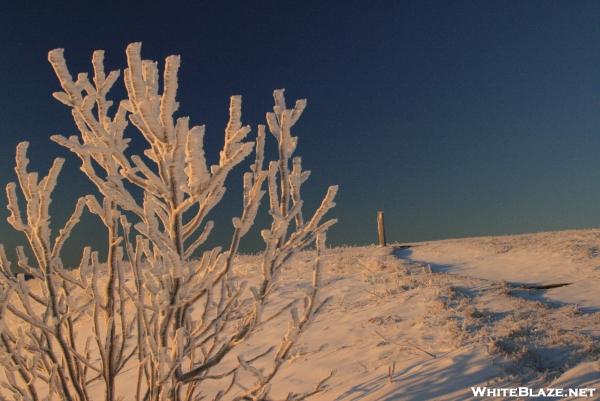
427,321
443,316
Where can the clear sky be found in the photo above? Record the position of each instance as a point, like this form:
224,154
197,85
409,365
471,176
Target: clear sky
457,118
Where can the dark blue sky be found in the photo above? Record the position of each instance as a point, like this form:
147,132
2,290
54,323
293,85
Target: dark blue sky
458,118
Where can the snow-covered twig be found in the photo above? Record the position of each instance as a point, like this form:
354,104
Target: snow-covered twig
140,298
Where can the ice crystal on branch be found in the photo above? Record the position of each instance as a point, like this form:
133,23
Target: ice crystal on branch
150,305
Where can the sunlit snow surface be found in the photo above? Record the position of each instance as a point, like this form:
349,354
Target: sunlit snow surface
447,315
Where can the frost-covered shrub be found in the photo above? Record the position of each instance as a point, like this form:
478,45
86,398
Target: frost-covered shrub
68,334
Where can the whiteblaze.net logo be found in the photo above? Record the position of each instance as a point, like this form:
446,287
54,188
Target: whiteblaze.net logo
532,393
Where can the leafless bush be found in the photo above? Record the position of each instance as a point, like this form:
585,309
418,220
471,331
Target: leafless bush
150,305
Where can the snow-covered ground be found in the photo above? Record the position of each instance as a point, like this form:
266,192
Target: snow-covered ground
443,316
427,321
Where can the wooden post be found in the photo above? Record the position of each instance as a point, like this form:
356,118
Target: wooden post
381,228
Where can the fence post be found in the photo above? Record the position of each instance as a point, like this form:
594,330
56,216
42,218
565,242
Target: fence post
381,228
